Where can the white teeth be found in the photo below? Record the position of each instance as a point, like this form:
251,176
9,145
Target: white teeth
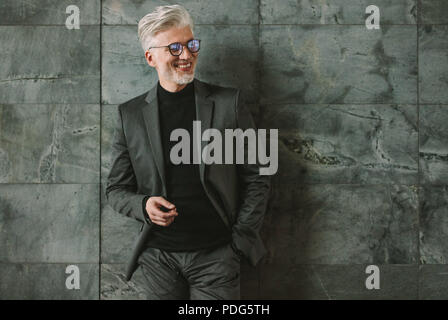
184,65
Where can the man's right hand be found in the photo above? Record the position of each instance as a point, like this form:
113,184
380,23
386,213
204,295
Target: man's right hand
155,213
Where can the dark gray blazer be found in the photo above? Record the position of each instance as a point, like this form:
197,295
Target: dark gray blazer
237,191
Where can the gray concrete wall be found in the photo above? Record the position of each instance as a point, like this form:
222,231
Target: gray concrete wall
362,126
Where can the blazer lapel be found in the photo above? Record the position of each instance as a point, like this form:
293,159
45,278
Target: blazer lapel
204,113
151,116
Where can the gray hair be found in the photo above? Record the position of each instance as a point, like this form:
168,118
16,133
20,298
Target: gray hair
161,19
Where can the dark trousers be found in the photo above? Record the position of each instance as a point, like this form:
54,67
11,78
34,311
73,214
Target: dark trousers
206,274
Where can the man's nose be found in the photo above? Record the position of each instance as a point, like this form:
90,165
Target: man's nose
186,54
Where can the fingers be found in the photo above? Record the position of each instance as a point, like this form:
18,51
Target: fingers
158,216
159,213
160,201
163,223
162,216
156,203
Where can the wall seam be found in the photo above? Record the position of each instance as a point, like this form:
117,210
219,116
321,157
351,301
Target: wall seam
259,110
101,126
418,150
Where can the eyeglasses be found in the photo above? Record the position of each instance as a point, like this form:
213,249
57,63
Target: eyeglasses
177,48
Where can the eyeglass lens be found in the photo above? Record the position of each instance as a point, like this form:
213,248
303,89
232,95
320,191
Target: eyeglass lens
192,45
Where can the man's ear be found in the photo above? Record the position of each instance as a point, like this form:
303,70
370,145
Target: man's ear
149,58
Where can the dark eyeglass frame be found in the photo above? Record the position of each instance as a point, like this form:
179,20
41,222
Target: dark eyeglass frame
181,47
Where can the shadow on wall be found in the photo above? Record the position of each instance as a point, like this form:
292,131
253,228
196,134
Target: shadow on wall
231,68
285,226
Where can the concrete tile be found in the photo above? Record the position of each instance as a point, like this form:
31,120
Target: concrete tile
337,282
125,73
434,11
433,149
47,281
115,287
433,282
433,224
341,224
202,12
336,11
43,143
345,143
235,50
109,115
49,64
433,63
48,12
338,64
49,223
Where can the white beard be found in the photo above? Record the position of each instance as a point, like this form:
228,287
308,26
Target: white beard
172,75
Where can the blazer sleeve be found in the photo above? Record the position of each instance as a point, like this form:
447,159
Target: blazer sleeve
121,185
145,214
254,190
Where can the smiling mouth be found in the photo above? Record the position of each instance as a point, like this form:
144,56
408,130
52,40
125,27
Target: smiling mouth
183,66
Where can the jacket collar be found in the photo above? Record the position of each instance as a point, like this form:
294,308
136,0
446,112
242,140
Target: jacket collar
150,111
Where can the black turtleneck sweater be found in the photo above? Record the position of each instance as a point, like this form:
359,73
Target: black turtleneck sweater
198,224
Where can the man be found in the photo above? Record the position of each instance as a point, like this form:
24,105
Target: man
197,220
